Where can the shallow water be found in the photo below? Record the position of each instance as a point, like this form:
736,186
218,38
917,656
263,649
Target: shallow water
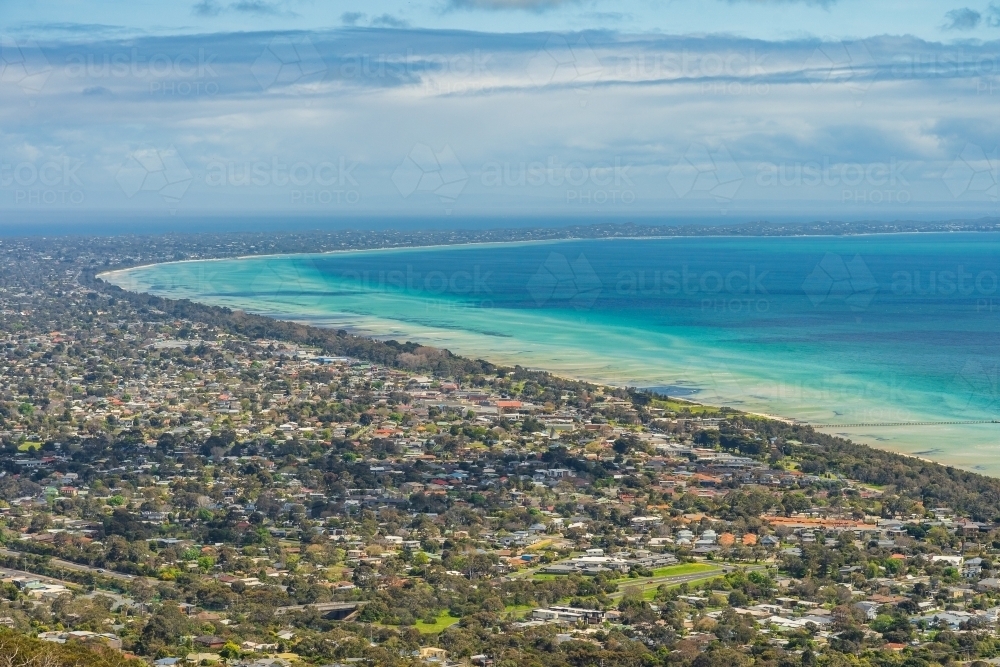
840,331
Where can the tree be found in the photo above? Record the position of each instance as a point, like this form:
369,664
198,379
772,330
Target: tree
229,651
163,628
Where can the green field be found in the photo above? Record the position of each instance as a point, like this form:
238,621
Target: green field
444,620
649,589
684,568
518,610
674,405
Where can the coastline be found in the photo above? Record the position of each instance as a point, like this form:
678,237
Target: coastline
485,244
499,362
759,396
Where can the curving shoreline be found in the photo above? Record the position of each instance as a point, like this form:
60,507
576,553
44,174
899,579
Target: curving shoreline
719,385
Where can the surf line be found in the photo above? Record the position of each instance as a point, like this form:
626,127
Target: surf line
980,421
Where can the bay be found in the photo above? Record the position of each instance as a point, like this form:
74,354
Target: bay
886,339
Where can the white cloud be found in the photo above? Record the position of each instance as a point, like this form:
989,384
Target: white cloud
324,128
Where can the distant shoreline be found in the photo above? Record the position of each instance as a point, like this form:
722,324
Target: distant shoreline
486,244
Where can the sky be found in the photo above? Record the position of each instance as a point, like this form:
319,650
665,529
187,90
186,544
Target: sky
485,109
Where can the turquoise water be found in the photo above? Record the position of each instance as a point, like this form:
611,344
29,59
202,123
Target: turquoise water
834,331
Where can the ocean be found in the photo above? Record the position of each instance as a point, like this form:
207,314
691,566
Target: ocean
886,339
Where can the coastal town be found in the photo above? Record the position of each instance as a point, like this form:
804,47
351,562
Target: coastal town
183,485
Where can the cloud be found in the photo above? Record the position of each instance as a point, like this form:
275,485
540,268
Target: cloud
458,88
254,7
351,18
530,5
607,16
92,31
389,21
962,19
813,3
257,7
993,16
207,8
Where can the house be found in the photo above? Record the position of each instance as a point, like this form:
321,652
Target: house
567,615
948,561
268,662
432,654
83,636
972,568
210,641
950,619
868,607
990,584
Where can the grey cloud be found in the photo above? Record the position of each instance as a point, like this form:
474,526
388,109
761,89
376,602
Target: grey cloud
607,16
530,5
993,16
962,19
256,7
351,18
90,30
815,3
389,21
207,8
809,118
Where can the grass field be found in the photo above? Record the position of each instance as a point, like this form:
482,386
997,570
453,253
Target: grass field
541,545
680,406
444,620
518,610
649,590
683,568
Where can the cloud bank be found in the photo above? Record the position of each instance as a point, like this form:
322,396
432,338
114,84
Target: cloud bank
368,120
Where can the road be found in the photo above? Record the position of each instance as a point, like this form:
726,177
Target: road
10,572
76,567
